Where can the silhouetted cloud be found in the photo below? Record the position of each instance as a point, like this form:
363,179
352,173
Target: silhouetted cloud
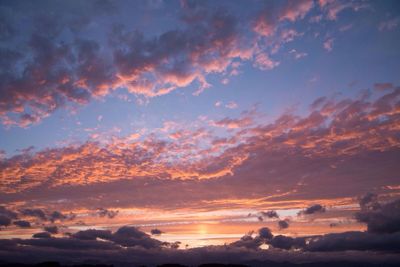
265,233
105,212
41,235
156,232
287,242
283,224
270,214
312,209
283,248
379,217
92,234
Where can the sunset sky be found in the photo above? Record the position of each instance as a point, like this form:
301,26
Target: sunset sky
199,122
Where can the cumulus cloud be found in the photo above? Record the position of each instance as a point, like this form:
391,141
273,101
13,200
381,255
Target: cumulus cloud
92,234
354,241
50,75
56,74
265,233
283,224
312,209
380,218
247,250
125,236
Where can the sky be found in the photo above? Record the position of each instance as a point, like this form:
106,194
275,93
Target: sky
241,130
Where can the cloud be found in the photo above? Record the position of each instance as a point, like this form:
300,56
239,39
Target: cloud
38,213
298,156
265,233
125,236
8,213
42,235
248,242
131,236
51,75
4,221
156,232
332,8
56,215
287,242
328,44
268,19
92,234
389,25
356,247
52,229
283,224
232,105
270,214
264,62
354,241
313,209
102,212
22,223
380,218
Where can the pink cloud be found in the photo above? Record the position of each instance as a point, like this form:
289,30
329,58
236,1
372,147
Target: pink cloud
328,44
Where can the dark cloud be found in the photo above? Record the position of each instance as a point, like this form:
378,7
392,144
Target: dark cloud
42,235
156,232
283,224
130,236
125,236
249,242
287,242
56,215
357,247
270,214
22,223
313,209
92,234
380,218
265,233
53,229
105,212
354,241
369,202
